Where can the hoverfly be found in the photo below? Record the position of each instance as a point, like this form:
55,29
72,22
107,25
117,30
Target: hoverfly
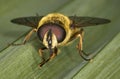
56,30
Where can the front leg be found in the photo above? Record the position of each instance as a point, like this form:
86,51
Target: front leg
52,55
41,55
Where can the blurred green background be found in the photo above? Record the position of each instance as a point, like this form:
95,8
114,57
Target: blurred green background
102,42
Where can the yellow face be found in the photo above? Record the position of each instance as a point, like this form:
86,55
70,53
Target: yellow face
50,39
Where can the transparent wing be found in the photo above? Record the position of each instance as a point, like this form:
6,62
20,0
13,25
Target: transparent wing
28,21
87,21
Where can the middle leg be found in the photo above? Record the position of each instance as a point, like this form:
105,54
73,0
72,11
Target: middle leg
80,34
80,46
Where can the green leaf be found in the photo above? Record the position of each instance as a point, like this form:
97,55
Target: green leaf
101,42
106,64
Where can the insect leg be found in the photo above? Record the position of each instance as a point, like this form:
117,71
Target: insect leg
52,55
56,51
80,46
41,55
27,37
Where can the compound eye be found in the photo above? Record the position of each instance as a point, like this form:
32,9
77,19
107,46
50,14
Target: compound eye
58,30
